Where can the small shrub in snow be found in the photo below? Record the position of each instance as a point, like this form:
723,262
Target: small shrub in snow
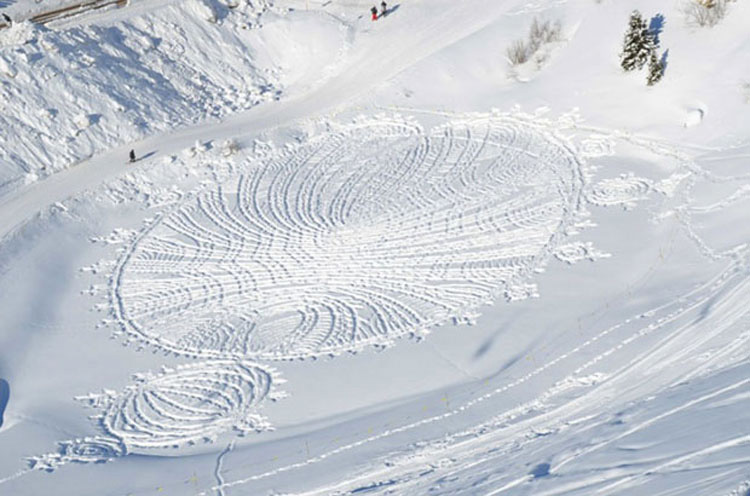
540,34
638,44
517,53
705,12
543,32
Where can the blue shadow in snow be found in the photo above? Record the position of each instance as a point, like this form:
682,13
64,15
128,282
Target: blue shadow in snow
656,26
664,60
541,470
4,397
149,154
391,10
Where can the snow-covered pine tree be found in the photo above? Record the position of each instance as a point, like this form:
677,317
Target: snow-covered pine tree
638,44
655,69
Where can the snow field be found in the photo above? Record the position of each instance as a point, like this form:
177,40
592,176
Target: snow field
320,244
82,89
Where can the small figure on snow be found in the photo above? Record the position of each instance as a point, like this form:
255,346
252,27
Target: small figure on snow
132,155
383,9
7,20
374,12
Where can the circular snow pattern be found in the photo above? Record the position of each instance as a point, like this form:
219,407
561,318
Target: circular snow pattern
371,231
575,252
188,405
97,449
625,190
92,449
597,146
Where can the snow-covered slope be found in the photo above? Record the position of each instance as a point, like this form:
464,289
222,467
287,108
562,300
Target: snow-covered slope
413,269
72,91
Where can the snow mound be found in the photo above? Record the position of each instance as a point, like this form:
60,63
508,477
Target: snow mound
694,116
210,10
19,33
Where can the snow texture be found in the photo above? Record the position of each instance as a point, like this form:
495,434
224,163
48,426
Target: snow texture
360,257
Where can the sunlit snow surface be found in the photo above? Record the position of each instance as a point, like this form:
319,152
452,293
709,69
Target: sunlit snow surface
336,293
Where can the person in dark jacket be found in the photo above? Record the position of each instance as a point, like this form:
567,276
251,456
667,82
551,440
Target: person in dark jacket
132,155
383,9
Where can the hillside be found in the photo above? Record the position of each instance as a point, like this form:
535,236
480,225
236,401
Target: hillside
373,257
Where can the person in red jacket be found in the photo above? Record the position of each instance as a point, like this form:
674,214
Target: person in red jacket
374,11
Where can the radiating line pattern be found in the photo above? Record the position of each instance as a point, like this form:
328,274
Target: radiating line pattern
188,405
626,191
371,231
175,408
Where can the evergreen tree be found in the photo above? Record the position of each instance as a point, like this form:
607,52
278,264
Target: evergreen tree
655,69
638,44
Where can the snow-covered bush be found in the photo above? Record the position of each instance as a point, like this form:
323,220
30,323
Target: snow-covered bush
705,12
517,53
540,33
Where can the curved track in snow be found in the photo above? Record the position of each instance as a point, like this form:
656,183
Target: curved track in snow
359,236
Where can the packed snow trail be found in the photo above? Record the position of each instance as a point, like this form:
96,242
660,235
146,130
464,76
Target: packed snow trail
408,37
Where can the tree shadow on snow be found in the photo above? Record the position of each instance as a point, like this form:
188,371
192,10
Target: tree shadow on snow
656,26
664,60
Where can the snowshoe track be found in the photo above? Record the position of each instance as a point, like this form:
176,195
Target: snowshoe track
370,232
175,408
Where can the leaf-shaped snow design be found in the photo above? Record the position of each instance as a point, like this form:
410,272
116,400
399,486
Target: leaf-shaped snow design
194,403
175,408
369,232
